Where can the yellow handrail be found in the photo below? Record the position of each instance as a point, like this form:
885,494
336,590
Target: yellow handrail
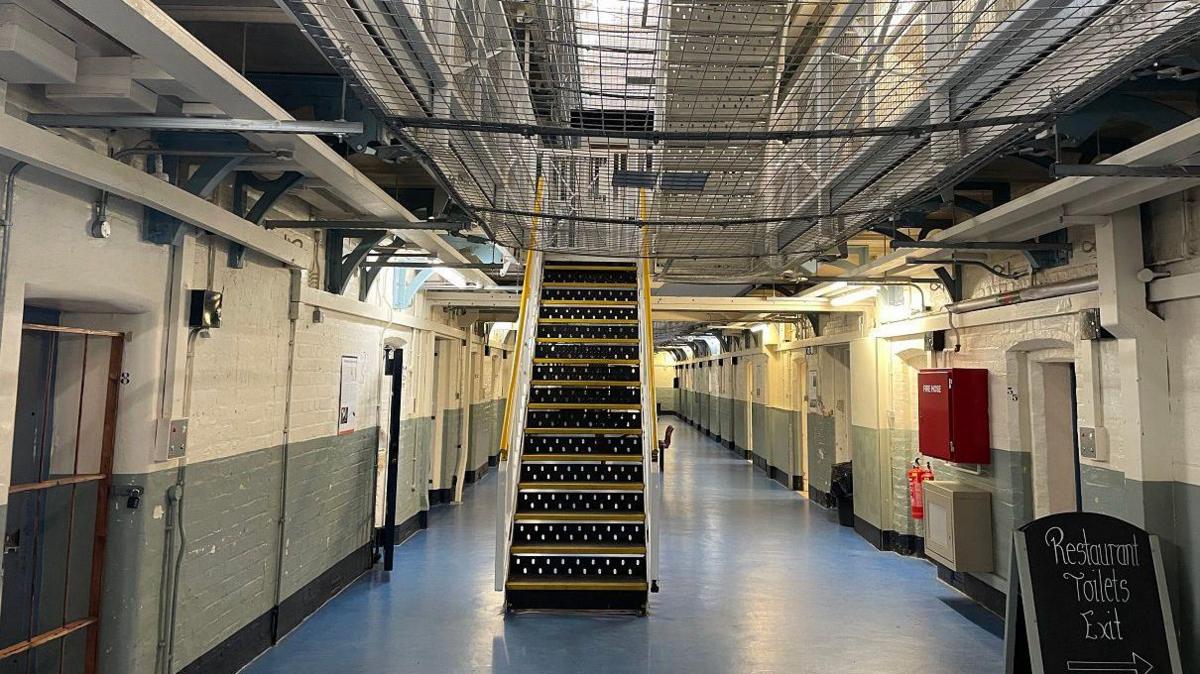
512,379
642,213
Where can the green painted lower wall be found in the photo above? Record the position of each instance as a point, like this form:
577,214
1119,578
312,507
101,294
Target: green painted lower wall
868,480
667,399
484,438
416,439
725,417
231,510
1171,510
780,435
741,425
330,498
822,449
770,432
4,518
451,445
901,446
1186,498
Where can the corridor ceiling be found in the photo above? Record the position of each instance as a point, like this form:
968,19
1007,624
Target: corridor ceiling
727,137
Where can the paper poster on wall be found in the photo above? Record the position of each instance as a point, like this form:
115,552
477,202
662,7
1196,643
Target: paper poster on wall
812,391
348,396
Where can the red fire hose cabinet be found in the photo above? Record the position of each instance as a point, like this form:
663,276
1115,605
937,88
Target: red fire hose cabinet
952,415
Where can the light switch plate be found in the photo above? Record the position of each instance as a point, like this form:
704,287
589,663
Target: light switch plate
177,439
1093,443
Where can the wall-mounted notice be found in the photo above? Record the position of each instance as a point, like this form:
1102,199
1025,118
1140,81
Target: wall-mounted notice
348,396
1087,595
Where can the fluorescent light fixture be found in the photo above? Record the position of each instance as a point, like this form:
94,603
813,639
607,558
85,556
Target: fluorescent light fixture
760,327
855,297
452,276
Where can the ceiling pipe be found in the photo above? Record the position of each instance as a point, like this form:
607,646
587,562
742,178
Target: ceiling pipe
249,154
10,185
1082,285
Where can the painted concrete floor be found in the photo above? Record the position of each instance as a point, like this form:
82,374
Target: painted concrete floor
755,579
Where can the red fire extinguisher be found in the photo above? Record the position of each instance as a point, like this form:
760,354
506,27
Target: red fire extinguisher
916,492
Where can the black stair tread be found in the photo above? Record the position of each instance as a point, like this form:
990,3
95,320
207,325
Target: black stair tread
588,284
565,383
581,486
583,266
578,549
585,406
586,340
599,516
577,585
585,361
576,458
589,303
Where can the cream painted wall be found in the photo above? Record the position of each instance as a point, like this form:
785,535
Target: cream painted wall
237,376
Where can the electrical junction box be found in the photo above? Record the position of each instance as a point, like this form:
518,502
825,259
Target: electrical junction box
205,309
952,415
958,527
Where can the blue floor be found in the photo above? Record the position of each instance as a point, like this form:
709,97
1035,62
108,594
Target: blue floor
754,579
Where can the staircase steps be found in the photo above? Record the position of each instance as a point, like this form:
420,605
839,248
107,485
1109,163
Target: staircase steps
579,531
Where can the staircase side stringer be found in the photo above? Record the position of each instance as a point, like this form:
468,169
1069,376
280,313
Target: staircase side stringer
509,469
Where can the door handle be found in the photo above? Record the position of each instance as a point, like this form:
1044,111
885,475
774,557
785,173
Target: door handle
12,541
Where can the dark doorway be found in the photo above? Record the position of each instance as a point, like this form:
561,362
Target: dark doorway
55,527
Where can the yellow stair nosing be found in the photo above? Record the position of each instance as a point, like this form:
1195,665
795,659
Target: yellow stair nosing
580,585
582,486
585,382
572,458
588,303
586,267
572,549
572,430
584,361
588,321
599,516
586,284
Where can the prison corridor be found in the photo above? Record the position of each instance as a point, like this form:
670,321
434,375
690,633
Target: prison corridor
754,579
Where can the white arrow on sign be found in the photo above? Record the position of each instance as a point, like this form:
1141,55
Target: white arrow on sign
1136,664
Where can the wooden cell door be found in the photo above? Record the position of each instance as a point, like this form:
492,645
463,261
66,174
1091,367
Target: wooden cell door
58,498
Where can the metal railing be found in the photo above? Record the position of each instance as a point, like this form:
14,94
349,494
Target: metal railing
512,443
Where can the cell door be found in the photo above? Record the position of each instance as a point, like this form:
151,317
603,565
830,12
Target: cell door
58,499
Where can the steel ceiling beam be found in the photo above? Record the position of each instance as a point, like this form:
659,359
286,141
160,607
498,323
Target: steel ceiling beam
1123,171
194,124
982,245
1045,209
55,154
658,303
366,225
147,30
529,130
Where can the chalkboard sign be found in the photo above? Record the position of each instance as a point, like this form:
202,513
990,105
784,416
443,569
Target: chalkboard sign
1087,596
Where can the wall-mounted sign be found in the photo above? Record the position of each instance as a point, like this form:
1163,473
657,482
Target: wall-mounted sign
1087,594
348,396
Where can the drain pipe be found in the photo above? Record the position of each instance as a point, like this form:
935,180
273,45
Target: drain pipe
1082,285
464,429
10,183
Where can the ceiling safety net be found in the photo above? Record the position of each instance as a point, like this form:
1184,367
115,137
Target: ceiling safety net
725,136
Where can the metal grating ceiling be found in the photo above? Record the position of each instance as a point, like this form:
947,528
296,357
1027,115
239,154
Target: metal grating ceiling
759,132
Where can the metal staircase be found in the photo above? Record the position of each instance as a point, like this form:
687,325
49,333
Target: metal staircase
576,526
